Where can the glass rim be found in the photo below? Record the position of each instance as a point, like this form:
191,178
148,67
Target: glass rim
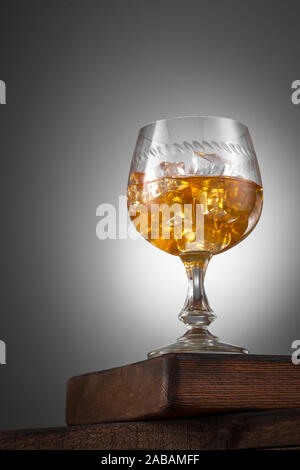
208,116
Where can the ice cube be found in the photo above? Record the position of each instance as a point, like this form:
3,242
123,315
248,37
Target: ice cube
156,189
165,169
176,184
136,196
199,165
173,169
153,174
136,177
208,164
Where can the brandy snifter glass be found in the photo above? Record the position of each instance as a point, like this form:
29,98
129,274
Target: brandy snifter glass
194,191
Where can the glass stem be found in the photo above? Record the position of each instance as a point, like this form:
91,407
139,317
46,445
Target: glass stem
196,312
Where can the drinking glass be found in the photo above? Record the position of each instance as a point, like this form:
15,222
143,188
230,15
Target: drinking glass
194,191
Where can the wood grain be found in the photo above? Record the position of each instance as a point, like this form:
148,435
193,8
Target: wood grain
178,385
271,429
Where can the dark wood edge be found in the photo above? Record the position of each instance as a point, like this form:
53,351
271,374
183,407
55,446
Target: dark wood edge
269,429
202,357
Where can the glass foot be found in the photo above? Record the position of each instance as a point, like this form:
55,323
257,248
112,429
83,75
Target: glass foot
198,341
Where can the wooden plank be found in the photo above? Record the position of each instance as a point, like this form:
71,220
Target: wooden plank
178,385
269,429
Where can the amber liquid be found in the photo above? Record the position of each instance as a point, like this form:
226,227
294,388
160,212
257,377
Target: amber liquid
230,207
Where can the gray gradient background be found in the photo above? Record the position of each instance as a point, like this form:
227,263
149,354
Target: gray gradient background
82,77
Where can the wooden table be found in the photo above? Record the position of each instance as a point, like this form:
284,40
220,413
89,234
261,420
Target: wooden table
178,402
269,429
